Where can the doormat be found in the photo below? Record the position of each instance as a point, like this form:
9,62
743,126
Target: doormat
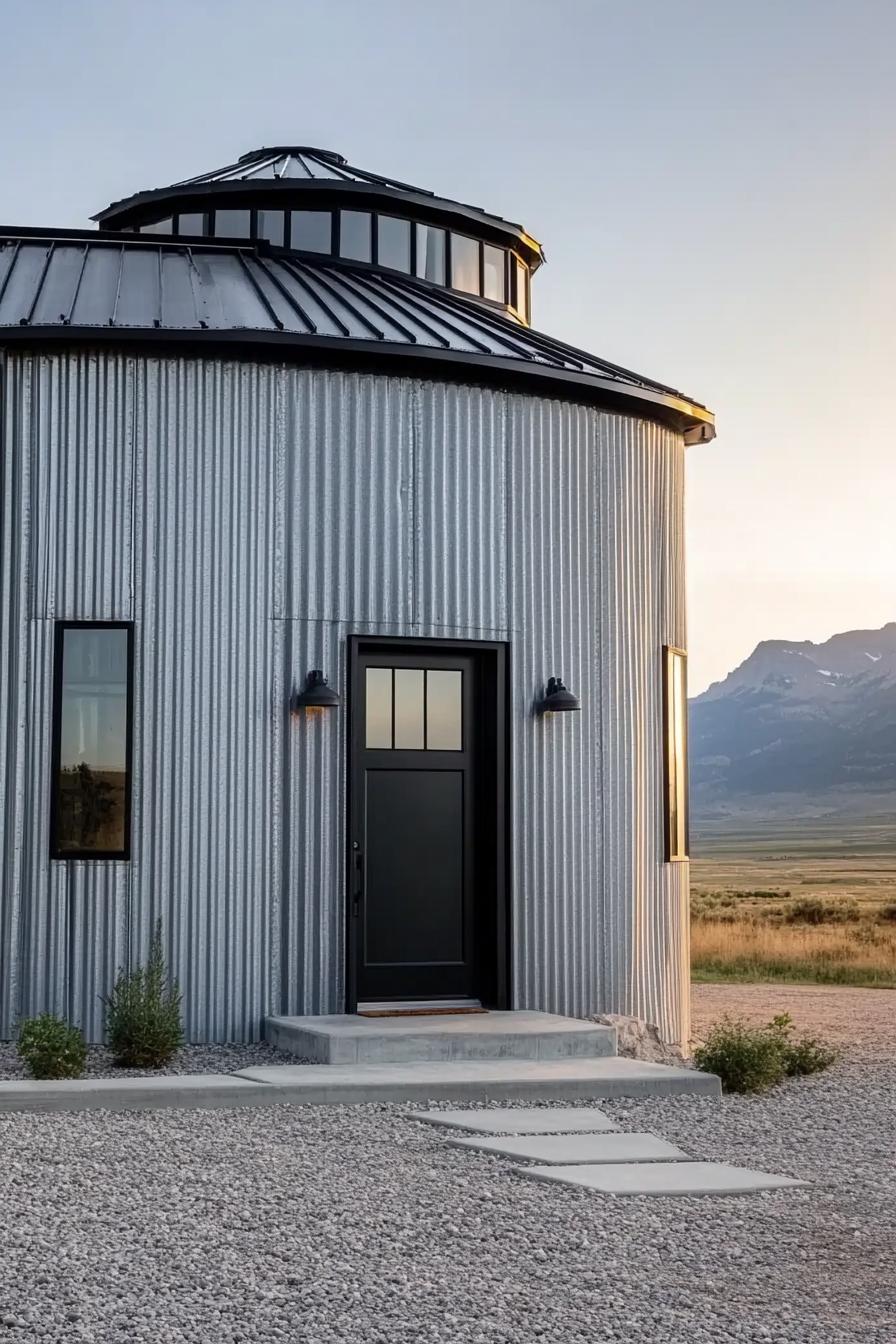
418,1012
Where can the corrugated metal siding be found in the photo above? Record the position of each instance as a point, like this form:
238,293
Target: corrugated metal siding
249,518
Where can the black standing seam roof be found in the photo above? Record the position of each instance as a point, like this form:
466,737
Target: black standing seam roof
89,286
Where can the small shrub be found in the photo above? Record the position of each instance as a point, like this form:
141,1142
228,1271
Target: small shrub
747,1059
50,1047
753,1059
143,1020
812,910
888,911
808,1055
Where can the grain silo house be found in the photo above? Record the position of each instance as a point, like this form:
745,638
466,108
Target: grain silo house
343,615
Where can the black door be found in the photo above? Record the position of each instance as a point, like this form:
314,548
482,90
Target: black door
423,833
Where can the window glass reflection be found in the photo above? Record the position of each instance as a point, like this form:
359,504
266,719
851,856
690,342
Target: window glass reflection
676,754
271,226
378,732
232,223
355,235
193,226
311,230
520,297
431,254
393,243
409,731
91,782
493,273
443,710
160,226
464,263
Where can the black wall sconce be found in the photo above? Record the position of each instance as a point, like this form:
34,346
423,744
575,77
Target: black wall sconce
318,694
557,699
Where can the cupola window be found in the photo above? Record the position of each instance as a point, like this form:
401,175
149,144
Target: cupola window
233,223
311,230
464,263
393,243
355,235
494,273
431,254
272,227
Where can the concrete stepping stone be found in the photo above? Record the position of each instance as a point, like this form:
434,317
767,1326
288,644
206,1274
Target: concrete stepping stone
569,1149
661,1178
521,1120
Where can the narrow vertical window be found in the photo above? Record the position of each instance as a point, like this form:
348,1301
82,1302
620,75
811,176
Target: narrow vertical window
92,710
464,263
675,712
431,253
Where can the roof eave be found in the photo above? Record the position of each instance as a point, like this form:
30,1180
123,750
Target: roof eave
694,422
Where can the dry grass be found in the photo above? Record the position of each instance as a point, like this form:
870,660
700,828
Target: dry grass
750,949
808,902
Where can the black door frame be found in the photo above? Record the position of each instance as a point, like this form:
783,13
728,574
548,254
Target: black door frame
493,668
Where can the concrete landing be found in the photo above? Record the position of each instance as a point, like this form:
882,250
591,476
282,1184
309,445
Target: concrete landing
662,1178
574,1149
347,1039
483,1080
521,1120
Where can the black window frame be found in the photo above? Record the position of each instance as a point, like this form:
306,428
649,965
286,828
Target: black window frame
122,855
671,851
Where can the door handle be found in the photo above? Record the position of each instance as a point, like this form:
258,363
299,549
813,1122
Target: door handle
357,879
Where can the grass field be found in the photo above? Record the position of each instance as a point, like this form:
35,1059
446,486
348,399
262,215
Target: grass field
811,902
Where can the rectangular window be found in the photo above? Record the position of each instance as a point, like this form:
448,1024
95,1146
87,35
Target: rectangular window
393,243
270,226
520,289
311,231
191,226
355,235
160,226
431,254
464,263
493,271
414,709
233,223
675,715
92,710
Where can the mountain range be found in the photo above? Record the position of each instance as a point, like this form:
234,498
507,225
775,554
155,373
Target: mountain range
799,729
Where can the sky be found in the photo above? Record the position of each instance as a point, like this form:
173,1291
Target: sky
714,183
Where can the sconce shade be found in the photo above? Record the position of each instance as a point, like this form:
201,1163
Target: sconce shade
557,699
318,694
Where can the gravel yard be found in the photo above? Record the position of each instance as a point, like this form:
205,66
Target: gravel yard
189,1059
355,1224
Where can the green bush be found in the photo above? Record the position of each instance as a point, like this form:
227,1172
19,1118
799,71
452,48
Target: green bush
143,1020
806,1055
50,1047
753,1059
747,1059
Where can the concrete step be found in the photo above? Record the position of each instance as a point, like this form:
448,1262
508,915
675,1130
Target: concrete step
344,1085
523,1035
482,1080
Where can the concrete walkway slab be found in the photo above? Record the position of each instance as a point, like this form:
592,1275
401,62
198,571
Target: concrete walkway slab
573,1149
345,1038
661,1178
205,1091
521,1120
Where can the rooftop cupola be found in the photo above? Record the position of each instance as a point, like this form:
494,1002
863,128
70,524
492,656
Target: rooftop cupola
313,201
